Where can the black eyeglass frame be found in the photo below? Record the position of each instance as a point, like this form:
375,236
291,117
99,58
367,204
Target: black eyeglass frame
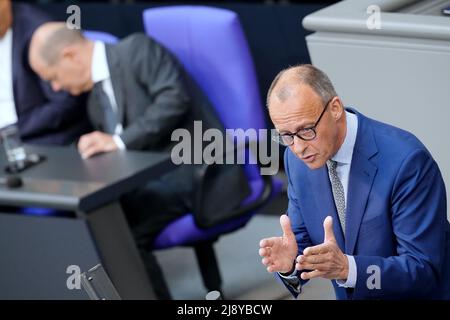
279,137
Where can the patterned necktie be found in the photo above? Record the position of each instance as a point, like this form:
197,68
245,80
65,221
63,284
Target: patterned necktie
109,120
338,192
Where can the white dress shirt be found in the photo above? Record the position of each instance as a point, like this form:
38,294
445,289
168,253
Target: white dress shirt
8,113
344,160
100,73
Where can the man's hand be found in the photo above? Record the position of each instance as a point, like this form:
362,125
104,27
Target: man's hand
326,259
279,252
95,142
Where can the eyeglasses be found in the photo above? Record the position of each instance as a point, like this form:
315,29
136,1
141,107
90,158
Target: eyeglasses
306,134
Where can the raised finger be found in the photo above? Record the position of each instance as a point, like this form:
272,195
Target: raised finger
311,274
268,242
271,268
264,252
313,259
266,261
319,249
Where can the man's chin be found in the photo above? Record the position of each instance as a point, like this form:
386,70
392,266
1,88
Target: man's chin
75,92
313,165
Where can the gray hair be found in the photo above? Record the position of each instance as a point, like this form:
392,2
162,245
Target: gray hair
57,40
306,74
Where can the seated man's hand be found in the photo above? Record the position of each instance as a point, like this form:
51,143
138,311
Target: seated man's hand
326,260
279,252
96,142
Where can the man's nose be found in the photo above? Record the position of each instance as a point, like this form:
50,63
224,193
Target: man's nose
299,146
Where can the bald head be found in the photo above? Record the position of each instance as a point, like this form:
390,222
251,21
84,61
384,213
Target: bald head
286,83
50,39
63,57
303,105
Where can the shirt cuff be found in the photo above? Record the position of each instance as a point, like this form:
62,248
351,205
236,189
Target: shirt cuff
292,282
291,276
352,273
119,142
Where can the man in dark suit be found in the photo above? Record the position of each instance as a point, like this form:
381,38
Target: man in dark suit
42,115
367,202
138,99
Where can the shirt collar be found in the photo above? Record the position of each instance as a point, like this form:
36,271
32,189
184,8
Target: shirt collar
99,68
345,152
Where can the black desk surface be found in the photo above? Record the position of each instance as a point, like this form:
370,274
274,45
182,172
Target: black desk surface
66,181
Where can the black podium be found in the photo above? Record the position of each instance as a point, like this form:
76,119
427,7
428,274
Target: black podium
36,251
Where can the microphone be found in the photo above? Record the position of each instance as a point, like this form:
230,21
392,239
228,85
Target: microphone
12,182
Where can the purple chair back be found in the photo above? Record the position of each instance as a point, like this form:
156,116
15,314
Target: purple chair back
100,36
211,45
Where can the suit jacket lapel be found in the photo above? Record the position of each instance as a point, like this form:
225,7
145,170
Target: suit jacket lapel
362,174
116,80
325,202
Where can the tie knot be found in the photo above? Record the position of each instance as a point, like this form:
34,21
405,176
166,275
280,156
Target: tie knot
331,164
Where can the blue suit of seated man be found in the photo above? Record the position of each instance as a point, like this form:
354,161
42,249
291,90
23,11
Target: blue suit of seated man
367,202
42,115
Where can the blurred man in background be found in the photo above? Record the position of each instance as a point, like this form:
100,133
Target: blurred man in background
42,115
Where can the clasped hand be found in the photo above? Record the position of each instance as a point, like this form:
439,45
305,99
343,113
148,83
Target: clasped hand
325,260
96,142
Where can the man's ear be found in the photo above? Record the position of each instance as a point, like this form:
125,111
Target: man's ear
337,108
70,53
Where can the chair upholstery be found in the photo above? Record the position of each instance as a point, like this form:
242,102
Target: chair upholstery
210,44
100,36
